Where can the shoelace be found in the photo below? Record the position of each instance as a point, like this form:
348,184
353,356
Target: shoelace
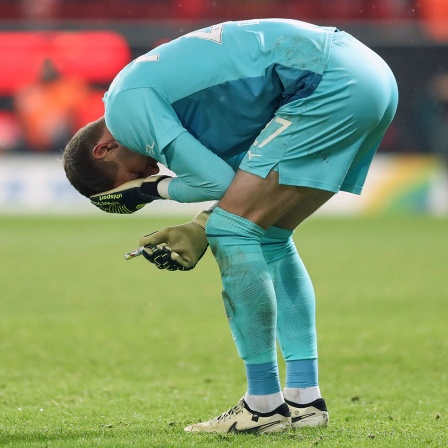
233,411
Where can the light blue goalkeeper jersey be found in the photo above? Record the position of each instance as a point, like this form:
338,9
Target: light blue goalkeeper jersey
222,85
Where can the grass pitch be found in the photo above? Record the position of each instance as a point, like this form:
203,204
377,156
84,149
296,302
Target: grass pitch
97,351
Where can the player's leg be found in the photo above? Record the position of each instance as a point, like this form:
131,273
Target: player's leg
296,326
250,304
248,290
234,234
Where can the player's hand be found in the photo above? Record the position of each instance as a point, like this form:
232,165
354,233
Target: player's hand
160,257
130,196
177,248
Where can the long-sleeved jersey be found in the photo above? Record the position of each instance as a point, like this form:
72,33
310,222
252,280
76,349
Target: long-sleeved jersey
197,103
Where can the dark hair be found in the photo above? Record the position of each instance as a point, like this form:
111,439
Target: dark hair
88,175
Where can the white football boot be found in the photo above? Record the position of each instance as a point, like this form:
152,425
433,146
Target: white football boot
241,419
308,415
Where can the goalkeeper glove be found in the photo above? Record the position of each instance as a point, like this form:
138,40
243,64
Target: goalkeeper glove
130,196
177,248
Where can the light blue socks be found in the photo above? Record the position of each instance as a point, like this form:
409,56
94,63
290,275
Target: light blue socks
296,330
294,294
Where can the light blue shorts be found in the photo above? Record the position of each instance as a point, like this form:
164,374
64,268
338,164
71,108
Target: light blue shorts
327,140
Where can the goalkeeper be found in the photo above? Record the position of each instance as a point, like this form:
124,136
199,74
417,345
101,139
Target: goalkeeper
271,118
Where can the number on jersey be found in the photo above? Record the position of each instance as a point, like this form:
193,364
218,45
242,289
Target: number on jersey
215,34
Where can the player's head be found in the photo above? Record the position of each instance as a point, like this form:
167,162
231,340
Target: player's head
95,162
88,175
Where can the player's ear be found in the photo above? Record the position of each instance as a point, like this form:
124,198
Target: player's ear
103,149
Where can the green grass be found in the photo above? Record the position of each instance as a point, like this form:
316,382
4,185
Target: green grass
97,351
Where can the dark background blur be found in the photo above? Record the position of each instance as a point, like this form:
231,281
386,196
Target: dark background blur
57,57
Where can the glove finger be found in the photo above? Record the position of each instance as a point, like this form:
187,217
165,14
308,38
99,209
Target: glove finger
143,240
163,260
182,261
148,254
173,265
154,238
150,250
160,257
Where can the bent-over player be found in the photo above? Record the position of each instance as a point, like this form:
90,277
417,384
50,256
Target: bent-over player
271,118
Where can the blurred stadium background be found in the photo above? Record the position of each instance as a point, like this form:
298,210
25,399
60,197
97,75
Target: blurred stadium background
58,57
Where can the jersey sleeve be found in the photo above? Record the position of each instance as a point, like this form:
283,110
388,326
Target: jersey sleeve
200,174
142,120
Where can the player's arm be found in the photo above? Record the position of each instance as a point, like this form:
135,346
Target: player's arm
157,131
200,174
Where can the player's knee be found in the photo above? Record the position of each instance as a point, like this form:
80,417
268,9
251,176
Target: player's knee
230,233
